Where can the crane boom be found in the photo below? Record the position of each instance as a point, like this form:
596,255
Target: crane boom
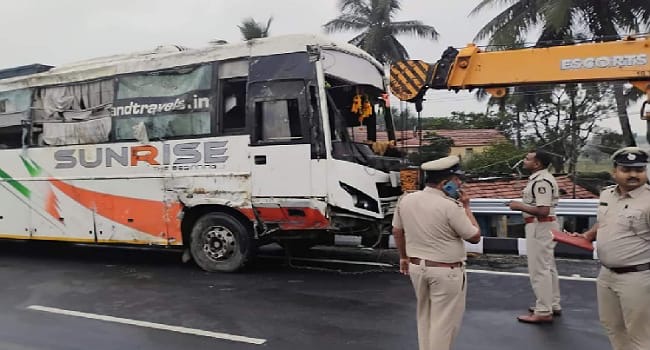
470,68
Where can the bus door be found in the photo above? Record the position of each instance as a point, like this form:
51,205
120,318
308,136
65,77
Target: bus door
284,126
280,147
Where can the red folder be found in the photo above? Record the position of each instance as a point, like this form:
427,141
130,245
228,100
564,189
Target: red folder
574,241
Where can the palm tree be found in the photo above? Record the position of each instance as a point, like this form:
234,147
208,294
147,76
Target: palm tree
251,29
374,18
561,20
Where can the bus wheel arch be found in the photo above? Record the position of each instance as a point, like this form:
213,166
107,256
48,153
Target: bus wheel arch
219,238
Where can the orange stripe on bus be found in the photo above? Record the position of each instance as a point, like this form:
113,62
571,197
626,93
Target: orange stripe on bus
151,217
303,218
51,205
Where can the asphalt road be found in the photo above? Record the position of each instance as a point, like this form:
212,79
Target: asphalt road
63,297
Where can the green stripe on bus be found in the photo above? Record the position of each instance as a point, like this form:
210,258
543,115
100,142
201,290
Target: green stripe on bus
15,184
32,168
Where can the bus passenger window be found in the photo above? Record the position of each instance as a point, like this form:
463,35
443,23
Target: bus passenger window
14,108
278,121
11,137
233,104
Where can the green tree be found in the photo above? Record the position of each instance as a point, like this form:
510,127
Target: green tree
562,119
375,20
477,120
609,141
441,123
433,148
404,119
496,159
251,29
602,145
562,20
463,120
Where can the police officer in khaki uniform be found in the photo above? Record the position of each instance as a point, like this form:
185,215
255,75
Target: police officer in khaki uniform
623,231
429,227
540,196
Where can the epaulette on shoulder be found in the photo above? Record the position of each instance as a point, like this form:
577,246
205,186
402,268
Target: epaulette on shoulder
404,195
456,201
610,187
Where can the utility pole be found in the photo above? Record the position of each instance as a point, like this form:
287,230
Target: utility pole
418,108
574,141
403,117
419,132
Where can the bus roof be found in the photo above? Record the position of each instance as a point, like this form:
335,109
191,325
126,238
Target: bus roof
165,57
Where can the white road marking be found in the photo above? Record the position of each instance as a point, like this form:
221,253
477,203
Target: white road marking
568,278
199,332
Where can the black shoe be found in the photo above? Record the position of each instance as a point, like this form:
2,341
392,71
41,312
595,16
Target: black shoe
536,319
555,312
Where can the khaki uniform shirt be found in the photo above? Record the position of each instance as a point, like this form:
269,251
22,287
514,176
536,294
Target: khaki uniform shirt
434,225
541,191
624,227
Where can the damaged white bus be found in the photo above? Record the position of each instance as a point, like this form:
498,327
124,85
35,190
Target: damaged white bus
215,150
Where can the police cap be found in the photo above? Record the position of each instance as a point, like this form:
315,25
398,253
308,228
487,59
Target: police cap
446,165
630,156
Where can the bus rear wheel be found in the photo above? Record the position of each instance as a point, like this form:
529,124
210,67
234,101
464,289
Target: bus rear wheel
220,242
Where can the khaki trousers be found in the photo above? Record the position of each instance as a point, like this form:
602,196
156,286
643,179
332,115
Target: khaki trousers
540,250
624,308
441,293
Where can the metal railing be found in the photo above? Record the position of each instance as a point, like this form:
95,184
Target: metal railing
565,207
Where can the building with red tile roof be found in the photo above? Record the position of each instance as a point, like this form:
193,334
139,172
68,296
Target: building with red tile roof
511,225
466,141
511,188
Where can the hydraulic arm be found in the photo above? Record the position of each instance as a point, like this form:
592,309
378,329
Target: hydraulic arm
470,68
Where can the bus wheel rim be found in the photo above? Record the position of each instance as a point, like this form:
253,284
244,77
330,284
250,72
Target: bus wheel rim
219,243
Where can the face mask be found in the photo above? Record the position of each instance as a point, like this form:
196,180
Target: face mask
451,189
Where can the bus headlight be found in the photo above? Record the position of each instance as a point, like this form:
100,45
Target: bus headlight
360,199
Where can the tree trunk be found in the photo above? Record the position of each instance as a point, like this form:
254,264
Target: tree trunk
518,129
621,107
574,142
558,165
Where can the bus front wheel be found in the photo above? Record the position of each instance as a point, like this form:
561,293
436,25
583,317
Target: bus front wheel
220,243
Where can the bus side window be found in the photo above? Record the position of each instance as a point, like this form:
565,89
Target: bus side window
10,136
233,105
12,106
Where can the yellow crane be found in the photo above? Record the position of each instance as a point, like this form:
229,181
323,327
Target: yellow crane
469,68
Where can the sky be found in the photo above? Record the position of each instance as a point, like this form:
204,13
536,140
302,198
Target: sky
65,31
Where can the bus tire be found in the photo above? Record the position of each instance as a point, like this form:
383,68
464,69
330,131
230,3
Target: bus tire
220,242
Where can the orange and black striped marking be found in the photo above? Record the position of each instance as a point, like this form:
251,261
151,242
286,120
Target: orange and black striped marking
408,78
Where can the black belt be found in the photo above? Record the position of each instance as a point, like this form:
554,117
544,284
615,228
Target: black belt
531,219
633,268
429,263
